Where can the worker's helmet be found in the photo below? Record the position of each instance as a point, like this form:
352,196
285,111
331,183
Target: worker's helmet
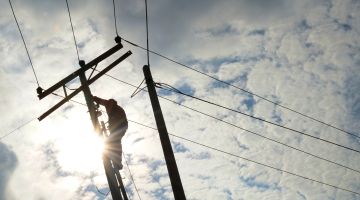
112,101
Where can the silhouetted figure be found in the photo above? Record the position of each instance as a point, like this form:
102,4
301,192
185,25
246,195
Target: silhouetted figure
118,125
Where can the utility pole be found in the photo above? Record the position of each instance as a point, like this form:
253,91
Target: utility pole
174,175
113,177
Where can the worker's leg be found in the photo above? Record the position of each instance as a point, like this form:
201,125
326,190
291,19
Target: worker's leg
114,146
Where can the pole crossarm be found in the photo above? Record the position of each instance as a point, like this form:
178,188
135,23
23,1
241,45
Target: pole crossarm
114,178
42,94
97,76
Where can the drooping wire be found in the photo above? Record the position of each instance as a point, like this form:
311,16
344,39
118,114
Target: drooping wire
354,134
131,176
228,152
17,128
22,37
58,95
147,33
253,161
72,29
238,127
170,88
102,193
115,23
262,136
137,90
247,159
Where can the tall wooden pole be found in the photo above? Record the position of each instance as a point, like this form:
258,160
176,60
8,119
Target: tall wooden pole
173,171
109,171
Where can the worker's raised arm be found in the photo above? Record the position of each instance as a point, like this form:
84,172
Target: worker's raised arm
100,101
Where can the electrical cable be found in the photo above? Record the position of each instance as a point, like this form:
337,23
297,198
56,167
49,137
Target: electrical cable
9,133
262,136
27,51
147,33
256,162
137,89
238,127
17,128
257,118
116,29
72,29
231,154
357,135
131,176
104,194
69,100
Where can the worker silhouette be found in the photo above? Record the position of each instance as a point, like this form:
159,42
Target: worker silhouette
117,126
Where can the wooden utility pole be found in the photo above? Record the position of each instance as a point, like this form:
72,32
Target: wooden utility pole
174,175
114,179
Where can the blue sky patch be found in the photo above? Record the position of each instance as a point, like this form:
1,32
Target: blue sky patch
160,193
179,147
304,25
253,183
186,88
199,156
249,102
276,117
222,31
259,32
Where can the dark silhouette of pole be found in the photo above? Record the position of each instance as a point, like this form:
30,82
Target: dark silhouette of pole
173,171
109,171
109,168
121,185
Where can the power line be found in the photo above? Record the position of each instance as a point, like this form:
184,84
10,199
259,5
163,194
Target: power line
147,33
251,116
22,37
72,29
215,149
131,176
116,29
262,136
69,100
13,131
17,128
236,126
256,162
354,134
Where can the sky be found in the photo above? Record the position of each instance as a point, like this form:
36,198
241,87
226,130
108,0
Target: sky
304,55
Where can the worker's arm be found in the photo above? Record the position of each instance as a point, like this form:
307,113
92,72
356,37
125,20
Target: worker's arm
100,101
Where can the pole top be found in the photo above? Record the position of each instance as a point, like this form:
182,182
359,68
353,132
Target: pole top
82,63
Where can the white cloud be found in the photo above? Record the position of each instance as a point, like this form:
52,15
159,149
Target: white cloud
304,55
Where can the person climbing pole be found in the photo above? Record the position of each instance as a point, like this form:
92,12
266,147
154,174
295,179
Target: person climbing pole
117,125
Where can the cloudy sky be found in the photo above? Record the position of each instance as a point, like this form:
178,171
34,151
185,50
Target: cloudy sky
304,55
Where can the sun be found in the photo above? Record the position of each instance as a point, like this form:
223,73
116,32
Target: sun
80,149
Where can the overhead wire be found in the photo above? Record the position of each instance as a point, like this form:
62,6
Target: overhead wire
231,154
138,89
147,33
17,128
253,161
241,128
23,39
148,64
357,135
159,85
72,29
131,176
247,159
116,29
55,94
